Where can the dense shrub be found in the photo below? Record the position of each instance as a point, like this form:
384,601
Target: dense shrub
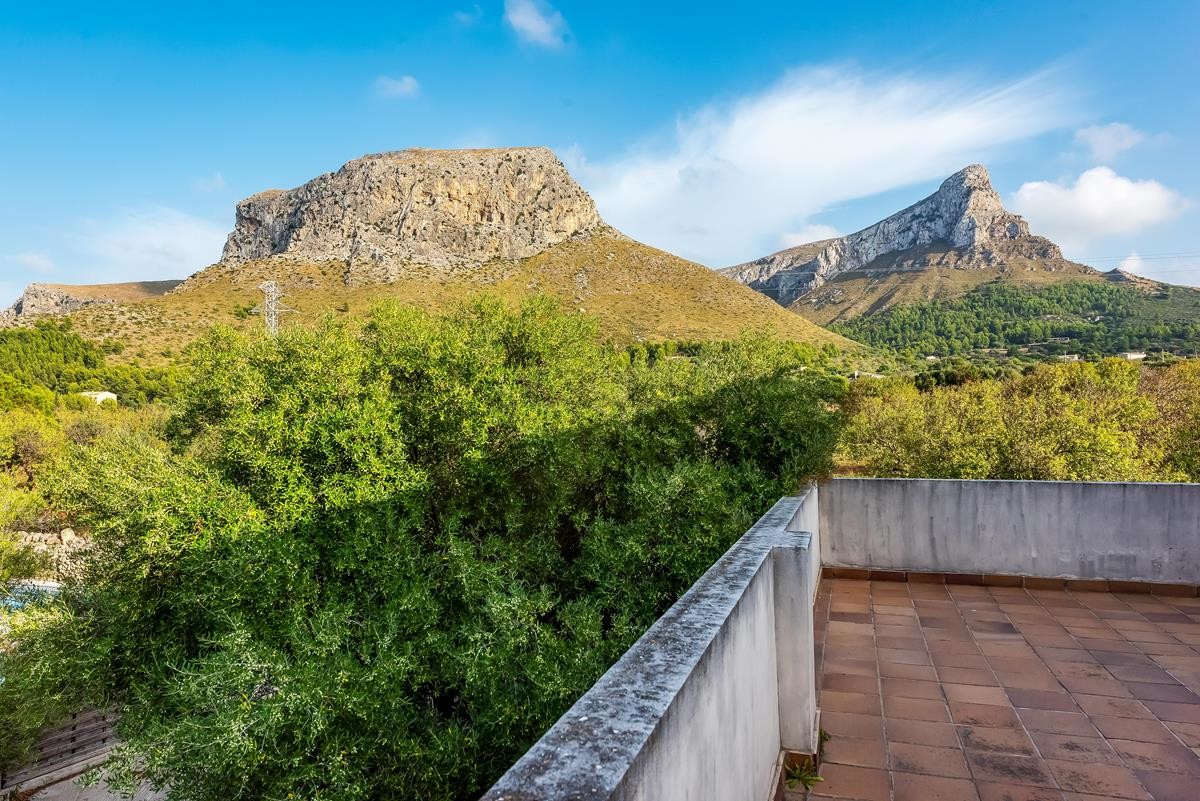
1076,421
378,561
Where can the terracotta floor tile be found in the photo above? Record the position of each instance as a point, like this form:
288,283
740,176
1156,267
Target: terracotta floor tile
901,670
910,688
850,684
858,703
1142,730
953,675
1112,707
1179,713
1167,757
1109,687
1085,670
990,791
1042,699
975,694
1009,769
912,787
1047,682
849,781
996,740
1142,674
861,751
928,760
1067,747
915,709
1189,733
1044,720
849,725
1103,780
923,732
1169,786
984,715
1175,693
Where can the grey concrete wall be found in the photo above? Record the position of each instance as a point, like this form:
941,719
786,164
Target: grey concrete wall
692,711
1145,532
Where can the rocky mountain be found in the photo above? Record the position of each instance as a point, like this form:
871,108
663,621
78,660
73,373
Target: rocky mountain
40,300
446,209
963,225
431,228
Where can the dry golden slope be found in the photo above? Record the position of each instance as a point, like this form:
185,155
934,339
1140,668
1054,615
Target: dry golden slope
637,292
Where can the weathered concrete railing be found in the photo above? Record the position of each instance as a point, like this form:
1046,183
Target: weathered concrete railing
1128,532
703,704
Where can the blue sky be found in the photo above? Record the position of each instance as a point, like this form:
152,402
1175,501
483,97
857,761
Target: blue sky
718,132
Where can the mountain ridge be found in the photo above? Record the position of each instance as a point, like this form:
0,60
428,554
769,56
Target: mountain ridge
965,215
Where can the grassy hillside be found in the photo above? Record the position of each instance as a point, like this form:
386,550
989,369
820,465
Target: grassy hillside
637,292
923,276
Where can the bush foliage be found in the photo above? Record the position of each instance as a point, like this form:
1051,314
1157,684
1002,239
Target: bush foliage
377,561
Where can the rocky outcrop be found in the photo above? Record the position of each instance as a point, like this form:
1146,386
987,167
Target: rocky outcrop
445,209
965,214
42,299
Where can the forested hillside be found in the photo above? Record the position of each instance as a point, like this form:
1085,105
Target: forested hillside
50,359
1089,318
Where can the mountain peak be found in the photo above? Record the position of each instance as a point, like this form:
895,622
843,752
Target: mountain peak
437,208
965,214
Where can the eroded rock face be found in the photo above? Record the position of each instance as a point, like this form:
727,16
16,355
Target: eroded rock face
439,208
965,212
43,299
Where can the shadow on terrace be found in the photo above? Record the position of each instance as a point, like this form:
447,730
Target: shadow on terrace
917,639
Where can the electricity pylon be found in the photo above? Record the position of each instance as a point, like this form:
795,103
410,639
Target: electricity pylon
271,306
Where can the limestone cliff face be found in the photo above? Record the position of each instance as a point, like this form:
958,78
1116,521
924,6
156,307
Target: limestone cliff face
42,299
965,213
438,208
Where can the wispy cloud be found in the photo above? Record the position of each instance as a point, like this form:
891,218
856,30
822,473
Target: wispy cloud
736,175
813,232
468,17
536,22
1100,204
1105,142
146,243
210,183
35,262
404,86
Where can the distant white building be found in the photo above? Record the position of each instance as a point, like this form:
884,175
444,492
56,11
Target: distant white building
1133,356
100,397
1069,357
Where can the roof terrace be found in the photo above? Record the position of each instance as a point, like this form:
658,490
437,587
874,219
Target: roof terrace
955,640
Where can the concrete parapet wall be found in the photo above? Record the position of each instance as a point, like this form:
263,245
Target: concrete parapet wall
701,706
1086,530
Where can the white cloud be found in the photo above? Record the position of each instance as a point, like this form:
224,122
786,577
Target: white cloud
1106,142
536,22
1133,263
404,86
814,232
1100,204
210,183
39,263
146,243
735,175
468,17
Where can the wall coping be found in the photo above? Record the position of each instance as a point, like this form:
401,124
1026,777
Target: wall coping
587,754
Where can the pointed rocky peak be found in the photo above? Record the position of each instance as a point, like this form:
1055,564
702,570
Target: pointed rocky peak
438,208
964,215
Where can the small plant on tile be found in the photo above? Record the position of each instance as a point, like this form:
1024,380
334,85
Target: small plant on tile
802,773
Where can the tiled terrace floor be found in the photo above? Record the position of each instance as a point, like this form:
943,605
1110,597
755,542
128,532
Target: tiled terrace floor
963,693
